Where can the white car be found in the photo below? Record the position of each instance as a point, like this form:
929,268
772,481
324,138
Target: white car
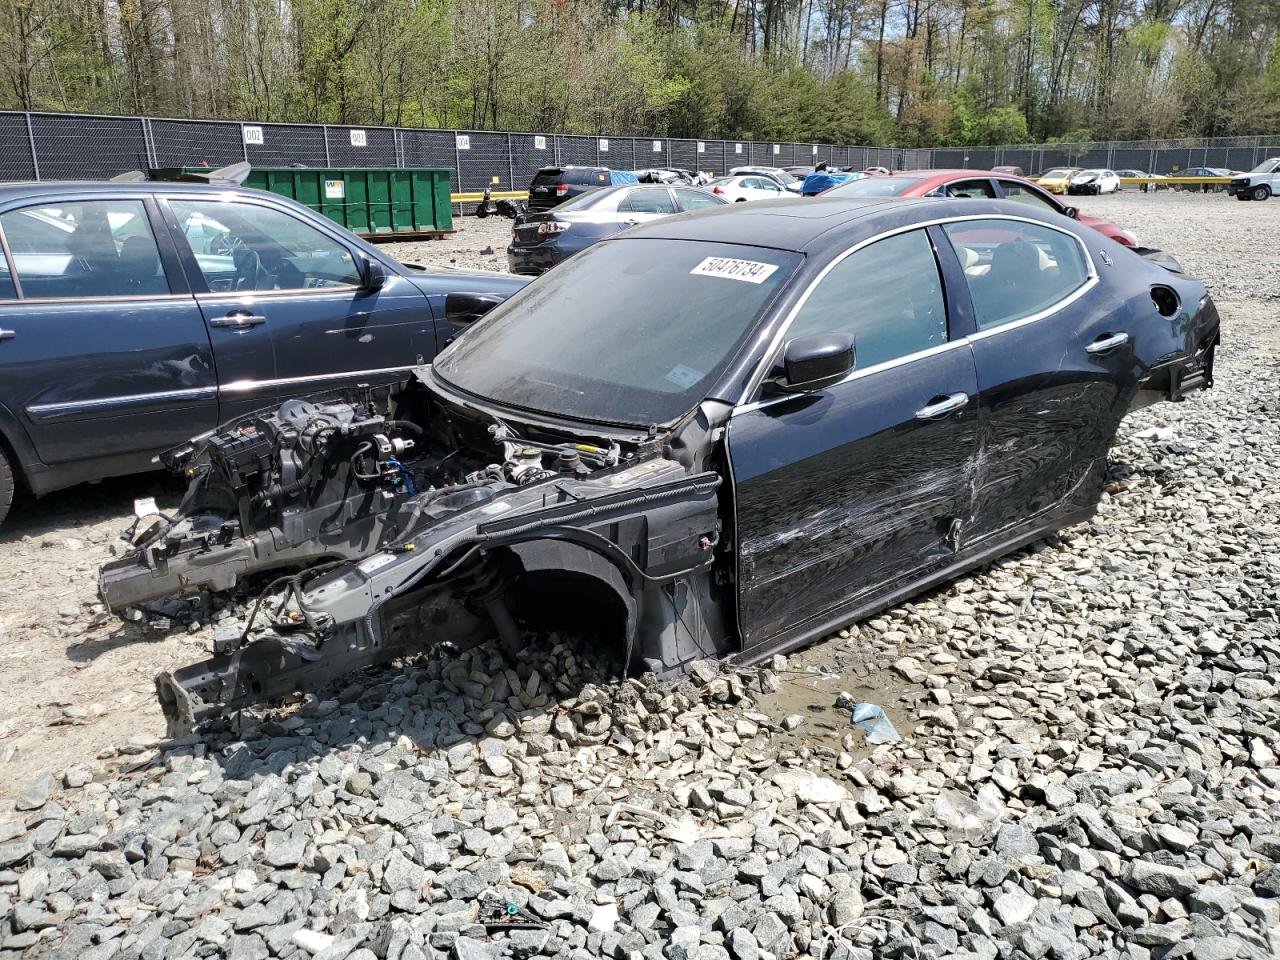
738,189
1093,181
776,174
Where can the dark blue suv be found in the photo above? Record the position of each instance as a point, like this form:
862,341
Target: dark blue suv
135,316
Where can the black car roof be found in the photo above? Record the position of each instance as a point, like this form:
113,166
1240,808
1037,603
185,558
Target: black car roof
802,225
785,224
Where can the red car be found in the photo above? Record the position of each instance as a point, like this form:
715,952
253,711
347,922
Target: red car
973,183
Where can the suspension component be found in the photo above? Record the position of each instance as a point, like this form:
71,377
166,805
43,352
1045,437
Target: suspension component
484,583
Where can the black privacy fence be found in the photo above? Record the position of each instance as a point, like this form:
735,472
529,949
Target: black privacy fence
70,146
67,146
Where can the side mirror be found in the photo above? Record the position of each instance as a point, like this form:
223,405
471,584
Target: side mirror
375,274
1072,212
811,363
465,308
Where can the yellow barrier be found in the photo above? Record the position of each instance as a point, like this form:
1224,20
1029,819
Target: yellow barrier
1176,181
495,195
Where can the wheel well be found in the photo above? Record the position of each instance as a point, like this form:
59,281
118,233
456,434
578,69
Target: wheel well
568,599
20,481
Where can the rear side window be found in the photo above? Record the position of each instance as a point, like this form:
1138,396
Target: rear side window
242,246
1016,270
585,178
888,296
546,177
95,248
656,200
1024,194
697,199
970,188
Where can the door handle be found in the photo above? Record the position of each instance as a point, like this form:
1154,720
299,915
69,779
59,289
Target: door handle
7,334
1107,342
940,408
238,320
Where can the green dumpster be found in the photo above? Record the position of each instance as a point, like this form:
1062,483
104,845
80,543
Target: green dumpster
381,203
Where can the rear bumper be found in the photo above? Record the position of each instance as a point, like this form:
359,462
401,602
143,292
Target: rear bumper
533,261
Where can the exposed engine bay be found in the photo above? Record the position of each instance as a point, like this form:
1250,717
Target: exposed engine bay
395,519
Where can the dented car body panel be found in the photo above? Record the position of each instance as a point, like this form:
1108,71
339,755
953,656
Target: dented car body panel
672,482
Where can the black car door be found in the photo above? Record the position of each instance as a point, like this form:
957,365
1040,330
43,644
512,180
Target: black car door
104,356
1056,368
286,306
843,492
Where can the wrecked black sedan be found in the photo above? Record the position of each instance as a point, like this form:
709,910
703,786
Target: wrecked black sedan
725,433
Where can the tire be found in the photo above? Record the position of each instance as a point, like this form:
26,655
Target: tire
1243,196
1261,192
482,211
6,484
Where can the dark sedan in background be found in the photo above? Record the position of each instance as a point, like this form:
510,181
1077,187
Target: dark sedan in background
134,316
541,240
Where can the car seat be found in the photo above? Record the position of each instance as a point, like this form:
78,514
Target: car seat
139,266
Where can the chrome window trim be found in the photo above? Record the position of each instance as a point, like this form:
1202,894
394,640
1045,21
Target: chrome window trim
250,295
770,353
113,298
859,374
237,387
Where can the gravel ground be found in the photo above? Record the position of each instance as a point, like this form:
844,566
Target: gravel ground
1087,766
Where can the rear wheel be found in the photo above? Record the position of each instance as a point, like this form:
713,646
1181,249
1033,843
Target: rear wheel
1261,192
6,484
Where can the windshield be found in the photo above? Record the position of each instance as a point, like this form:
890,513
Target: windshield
632,331
1059,172
874,187
1266,166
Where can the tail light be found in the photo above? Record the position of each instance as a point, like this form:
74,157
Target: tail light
562,190
548,227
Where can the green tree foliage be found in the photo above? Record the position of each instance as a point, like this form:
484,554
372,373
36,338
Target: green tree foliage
904,72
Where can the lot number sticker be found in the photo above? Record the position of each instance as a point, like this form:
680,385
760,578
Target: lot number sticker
253,135
539,143
604,145
464,141
358,139
751,271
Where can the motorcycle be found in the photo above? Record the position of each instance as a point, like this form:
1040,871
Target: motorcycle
511,209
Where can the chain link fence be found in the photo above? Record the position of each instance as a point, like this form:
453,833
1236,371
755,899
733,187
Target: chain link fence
71,146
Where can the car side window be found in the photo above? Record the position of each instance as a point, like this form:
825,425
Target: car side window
653,200
696,199
1015,270
1024,194
92,248
971,188
246,247
887,295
